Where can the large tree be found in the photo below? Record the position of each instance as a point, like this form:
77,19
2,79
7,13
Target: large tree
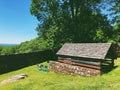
114,16
62,21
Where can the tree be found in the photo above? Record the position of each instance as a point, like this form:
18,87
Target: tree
116,33
33,45
9,50
62,21
115,10
114,15
1,48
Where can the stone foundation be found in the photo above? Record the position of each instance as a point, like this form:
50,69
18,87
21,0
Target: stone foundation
72,70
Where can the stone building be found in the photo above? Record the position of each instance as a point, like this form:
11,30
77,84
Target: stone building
85,59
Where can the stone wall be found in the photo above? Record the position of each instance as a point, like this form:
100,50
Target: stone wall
72,70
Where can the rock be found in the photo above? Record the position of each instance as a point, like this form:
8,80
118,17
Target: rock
71,69
14,78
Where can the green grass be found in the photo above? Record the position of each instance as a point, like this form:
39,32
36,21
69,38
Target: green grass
51,81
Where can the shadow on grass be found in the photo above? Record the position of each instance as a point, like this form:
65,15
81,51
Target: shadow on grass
107,68
13,62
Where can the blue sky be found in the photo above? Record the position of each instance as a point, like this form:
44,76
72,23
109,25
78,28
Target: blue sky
16,23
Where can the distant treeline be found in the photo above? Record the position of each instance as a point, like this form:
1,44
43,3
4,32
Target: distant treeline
37,44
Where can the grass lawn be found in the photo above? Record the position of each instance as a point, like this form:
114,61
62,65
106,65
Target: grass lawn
51,81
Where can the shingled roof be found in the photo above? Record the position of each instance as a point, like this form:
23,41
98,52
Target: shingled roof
85,50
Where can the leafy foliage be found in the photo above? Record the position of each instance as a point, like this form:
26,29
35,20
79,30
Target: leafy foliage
78,21
8,50
1,47
116,33
36,44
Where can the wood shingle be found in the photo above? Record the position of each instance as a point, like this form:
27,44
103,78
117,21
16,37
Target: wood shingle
85,50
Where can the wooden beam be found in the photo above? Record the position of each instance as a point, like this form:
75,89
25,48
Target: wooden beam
79,64
86,62
89,66
97,63
112,63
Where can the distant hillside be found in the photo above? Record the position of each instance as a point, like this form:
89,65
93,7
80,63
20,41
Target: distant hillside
7,45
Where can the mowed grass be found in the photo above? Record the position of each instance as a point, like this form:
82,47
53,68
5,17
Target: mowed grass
51,81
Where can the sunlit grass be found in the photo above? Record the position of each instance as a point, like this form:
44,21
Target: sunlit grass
37,80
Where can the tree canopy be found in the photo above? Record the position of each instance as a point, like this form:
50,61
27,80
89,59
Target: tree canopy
66,21
62,21
78,21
